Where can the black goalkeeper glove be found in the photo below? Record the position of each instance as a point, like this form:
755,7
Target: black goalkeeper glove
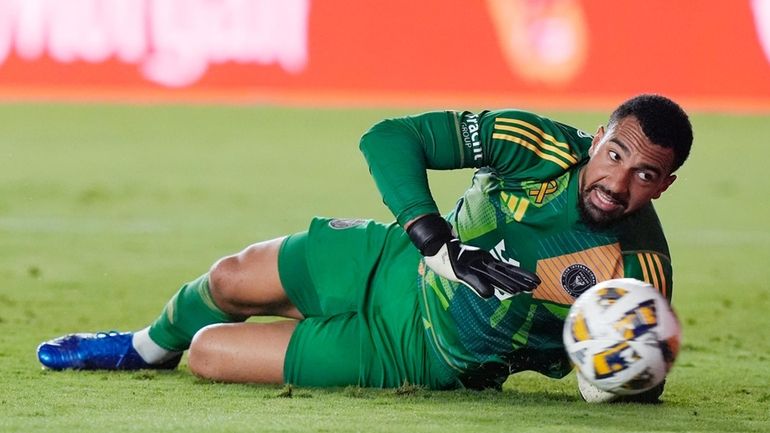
470,266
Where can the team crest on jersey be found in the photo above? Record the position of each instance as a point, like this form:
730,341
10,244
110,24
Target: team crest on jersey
341,224
577,278
540,193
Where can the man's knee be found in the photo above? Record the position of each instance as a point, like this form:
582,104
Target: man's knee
248,283
201,359
233,276
225,279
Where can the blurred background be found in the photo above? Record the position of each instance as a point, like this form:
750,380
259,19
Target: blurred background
575,54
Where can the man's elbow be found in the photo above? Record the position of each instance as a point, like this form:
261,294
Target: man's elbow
377,135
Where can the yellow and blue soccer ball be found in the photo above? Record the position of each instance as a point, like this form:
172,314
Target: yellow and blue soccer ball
622,336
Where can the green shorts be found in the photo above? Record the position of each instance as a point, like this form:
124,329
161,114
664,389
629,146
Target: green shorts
355,281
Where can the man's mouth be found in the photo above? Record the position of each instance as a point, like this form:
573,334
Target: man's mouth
606,200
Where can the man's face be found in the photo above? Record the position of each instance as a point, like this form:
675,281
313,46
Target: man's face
626,171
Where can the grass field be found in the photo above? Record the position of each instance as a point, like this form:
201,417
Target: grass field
105,210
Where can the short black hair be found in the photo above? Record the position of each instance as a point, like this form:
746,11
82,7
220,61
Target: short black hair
662,120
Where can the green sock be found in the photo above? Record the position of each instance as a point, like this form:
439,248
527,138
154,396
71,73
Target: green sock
191,309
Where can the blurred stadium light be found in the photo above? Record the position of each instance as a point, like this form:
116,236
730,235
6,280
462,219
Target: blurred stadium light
711,55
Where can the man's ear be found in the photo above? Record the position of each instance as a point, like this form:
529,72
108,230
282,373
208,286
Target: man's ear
664,186
596,140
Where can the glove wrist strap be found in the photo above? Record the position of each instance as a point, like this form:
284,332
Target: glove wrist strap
429,233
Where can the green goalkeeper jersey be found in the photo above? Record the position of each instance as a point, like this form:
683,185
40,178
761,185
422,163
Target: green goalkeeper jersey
522,206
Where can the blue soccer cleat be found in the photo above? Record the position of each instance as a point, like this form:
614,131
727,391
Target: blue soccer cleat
101,351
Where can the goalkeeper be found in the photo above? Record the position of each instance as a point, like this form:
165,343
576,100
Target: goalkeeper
461,300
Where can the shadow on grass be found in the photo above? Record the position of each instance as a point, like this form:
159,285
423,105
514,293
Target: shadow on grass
406,393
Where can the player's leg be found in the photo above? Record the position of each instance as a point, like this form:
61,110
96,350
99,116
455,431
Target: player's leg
241,352
235,288
387,349
249,284
378,338
325,272
312,352
356,284
323,349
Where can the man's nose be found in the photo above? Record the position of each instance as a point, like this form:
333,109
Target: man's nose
617,182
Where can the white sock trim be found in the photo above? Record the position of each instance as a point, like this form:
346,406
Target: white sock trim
148,349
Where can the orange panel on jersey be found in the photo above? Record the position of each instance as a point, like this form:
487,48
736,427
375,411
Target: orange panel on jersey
599,263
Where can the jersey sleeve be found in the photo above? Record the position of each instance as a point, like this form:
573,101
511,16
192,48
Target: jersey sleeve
652,267
399,151
646,255
513,143
522,145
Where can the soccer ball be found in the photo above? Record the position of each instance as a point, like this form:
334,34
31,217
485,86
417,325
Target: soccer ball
622,336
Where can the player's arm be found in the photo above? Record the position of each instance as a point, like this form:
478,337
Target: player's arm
399,152
511,142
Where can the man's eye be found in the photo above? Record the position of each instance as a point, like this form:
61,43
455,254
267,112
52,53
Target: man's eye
614,155
647,177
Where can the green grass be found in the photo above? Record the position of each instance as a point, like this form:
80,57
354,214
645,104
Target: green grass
105,210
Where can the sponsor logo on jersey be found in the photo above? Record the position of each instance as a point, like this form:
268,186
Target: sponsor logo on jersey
577,278
469,128
341,224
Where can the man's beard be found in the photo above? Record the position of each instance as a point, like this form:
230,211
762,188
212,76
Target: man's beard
595,218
